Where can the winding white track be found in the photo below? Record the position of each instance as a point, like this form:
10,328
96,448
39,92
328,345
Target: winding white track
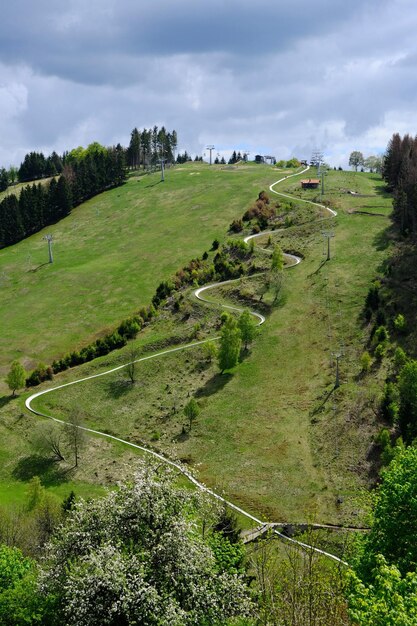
180,468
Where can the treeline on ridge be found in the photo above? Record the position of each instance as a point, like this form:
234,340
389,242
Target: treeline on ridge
82,174
85,174
400,173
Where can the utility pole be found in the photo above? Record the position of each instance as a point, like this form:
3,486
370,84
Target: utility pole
49,240
162,161
316,158
328,235
322,173
337,356
210,148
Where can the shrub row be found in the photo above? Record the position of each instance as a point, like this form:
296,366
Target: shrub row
227,265
128,329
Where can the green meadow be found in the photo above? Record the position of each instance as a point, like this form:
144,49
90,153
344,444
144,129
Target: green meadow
273,435
110,254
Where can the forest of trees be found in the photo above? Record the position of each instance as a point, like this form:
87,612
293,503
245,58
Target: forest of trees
146,147
82,174
35,165
400,173
85,173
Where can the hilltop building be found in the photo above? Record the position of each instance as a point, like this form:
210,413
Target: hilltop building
310,183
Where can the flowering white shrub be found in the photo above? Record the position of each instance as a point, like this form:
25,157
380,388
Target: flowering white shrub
138,557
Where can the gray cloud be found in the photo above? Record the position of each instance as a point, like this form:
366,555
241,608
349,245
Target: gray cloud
267,76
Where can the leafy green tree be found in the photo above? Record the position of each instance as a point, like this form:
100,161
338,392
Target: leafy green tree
366,361
400,358
400,323
209,350
277,260
356,159
373,164
394,525
191,411
137,557
390,599
247,327
230,344
20,601
407,387
390,402
16,378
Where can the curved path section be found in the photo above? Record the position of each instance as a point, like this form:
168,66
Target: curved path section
286,195
261,319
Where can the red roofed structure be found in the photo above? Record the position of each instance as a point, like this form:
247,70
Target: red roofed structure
310,183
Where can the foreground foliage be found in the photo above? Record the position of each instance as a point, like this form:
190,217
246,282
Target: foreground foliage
383,589
391,599
139,556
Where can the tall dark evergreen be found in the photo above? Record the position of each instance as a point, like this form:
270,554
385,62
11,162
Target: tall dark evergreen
85,174
134,149
11,228
33,167
82,174
4,179
400,174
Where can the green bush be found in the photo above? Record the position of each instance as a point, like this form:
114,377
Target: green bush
383,439
380,351
372,299
381,335
400,324
236,226
39,375
390,402
400,358
130,327
366,361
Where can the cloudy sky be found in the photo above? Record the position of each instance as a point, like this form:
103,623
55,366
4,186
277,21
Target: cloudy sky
268,76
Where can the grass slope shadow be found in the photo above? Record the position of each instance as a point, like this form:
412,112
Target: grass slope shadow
48,470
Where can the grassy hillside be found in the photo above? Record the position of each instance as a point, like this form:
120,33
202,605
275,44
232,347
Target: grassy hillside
274,435
110,254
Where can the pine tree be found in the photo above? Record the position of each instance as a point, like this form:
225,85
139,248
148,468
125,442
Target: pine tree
4,179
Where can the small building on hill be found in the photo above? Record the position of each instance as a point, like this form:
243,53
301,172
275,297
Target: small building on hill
310,183
265,158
